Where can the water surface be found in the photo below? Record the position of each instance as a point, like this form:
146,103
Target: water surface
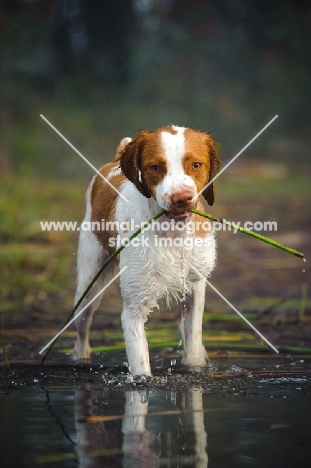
230,418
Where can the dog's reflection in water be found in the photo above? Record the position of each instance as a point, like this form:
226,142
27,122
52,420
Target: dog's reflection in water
172,436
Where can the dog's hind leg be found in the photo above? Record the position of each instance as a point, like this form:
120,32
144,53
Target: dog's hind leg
91,256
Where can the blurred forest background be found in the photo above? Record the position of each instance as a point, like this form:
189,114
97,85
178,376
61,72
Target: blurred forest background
101,70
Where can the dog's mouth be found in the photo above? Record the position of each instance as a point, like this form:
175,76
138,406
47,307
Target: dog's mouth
177,216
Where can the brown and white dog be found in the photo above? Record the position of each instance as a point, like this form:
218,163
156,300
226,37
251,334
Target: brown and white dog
164,169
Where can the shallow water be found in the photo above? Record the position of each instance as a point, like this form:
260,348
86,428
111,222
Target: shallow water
88,417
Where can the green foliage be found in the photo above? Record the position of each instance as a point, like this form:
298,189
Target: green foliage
37,264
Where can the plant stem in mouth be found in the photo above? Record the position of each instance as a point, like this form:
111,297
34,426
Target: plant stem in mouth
250,233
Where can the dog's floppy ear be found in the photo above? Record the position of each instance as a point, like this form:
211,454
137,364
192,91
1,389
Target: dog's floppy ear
120,148
209,192
130,158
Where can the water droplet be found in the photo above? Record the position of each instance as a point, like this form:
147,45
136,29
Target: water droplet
303,270
143,397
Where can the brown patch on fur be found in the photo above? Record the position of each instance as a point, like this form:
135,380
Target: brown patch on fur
130,162
103,199
199,147
153,177
143,154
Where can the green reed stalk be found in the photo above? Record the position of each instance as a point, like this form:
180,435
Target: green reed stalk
250,233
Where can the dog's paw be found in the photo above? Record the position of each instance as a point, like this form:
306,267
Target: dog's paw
81,350
198,359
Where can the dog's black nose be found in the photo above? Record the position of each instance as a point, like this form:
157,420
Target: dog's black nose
182,198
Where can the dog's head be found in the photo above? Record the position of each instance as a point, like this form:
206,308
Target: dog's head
173,165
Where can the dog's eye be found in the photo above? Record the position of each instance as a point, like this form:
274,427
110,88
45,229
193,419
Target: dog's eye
196,165
155,167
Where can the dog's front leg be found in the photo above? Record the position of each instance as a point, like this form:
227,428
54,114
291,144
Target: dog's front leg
133,324
190,326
